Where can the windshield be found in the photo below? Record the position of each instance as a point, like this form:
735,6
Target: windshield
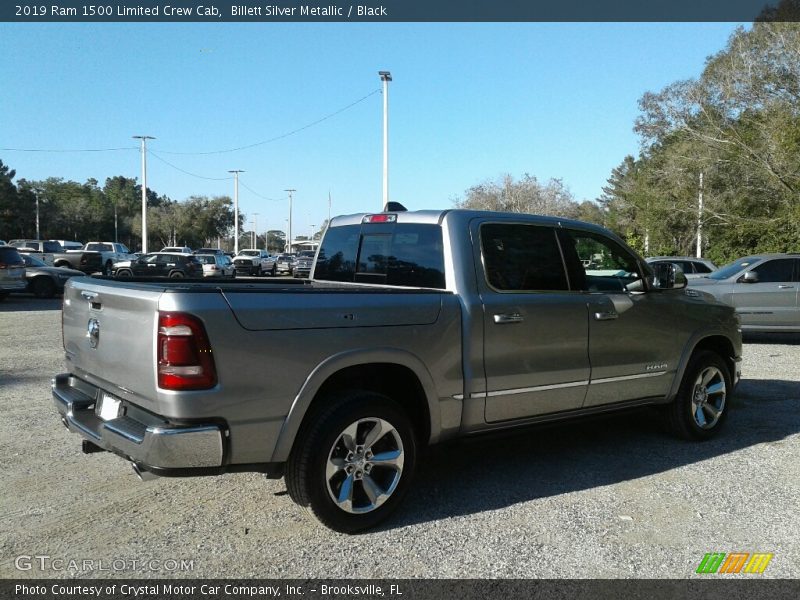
205,259
733,268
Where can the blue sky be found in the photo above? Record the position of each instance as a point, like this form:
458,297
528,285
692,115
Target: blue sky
468,102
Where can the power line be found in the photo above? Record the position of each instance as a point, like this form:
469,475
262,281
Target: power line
284,135
68,150
187,172
241,183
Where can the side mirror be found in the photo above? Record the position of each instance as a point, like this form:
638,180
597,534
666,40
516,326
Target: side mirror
668,276
750,277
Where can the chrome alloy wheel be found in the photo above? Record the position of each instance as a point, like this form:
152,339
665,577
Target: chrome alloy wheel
364,465
708,397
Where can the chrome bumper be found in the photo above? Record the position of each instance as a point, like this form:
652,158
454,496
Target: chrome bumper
151,446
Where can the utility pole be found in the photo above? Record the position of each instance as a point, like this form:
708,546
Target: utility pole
255,228
289,241
386,77
311,238
143,150
700,219
236,209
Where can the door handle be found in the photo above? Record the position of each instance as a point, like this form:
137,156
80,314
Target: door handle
508,318
785,287
607,315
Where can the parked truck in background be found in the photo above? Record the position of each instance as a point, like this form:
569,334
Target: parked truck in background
415,327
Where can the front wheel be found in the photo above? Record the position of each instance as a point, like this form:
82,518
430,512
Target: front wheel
43,287
700,408
107,268
274,270
353,462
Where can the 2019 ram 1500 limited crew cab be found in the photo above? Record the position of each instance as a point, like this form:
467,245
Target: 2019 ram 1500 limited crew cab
415,327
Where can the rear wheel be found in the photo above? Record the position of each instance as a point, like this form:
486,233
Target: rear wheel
124,274
700,408
43,287
353,462
176,275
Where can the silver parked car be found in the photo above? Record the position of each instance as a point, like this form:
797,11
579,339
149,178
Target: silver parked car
216,265
691,266
12,271
762,288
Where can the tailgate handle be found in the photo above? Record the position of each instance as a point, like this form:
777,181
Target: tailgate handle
89,296
607,315
508,318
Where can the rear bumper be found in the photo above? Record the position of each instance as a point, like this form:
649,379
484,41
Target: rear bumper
153,446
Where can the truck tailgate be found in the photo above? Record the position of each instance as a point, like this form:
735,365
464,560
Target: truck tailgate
109,332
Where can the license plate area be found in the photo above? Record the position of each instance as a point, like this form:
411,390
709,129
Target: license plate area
109,407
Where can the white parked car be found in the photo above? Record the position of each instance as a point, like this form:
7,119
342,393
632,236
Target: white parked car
178,249
216,265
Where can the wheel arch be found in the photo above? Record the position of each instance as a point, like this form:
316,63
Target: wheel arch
394,373
716,342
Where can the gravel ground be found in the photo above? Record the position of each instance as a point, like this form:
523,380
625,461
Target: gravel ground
614,497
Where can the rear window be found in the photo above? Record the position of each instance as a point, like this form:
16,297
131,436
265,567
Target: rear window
405,254
10,256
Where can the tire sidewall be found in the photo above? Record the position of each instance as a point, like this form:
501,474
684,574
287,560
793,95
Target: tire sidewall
360,406
682,407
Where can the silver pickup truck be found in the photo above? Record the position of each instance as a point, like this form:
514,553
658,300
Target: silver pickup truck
415,327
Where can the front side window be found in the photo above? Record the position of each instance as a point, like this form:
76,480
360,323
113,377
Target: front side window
598,263
522,258
774,271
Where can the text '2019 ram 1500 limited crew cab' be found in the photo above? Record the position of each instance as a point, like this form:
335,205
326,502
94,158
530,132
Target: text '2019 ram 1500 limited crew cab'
415,327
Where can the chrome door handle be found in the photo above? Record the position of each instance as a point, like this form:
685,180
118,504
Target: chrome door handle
508,318
785,287
607,315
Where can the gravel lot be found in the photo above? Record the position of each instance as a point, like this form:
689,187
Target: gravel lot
613,497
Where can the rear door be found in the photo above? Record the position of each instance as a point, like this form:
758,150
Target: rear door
535,329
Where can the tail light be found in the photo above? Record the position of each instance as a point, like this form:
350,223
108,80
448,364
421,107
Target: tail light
184,357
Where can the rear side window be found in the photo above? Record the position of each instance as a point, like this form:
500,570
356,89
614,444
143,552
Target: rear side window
519,257
52,247
10,256
405,254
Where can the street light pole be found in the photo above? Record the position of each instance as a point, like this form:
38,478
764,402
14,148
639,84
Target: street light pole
144,139
289,251
236,209
36,193
255,228
386,77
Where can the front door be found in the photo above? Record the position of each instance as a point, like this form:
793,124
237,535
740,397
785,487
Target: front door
633,342
772,300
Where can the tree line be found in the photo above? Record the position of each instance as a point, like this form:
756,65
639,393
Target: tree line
719,154
85,211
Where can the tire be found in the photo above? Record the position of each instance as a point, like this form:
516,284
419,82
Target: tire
702,403
233,274
124,274
258,271
176,275
43,287
3,296
107,268
274,270
62,263
324,465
